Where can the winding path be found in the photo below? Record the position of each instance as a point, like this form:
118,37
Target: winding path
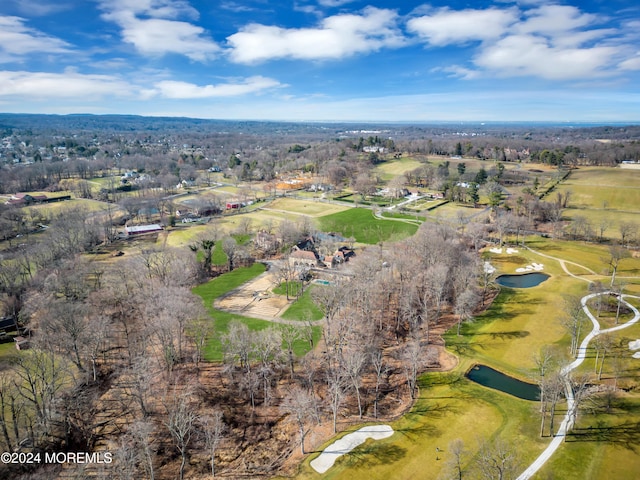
570,417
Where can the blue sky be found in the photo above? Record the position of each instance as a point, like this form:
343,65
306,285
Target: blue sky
324,60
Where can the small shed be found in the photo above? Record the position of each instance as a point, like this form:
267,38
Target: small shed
22,343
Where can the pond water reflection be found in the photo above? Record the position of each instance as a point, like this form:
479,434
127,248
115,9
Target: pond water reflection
526,280
488,377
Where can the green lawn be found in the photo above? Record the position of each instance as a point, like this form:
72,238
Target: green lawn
303,308
449,408
220,285
361,224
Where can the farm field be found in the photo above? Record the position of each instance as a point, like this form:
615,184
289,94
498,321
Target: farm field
611,195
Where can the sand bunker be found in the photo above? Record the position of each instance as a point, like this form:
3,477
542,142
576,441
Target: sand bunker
534,267
508,251
634,345
347,443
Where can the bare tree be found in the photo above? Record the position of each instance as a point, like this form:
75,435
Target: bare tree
497,461
354,362
617,253
380,368
181,423
457,458
213,429
603,344
410,355
142,433
465,304
573,320
290,335
336,387
231,250
299,404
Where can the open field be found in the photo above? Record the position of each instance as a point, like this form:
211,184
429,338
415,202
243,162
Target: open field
361,224
221,320
304,207
507,336
395,167
611,195
449,408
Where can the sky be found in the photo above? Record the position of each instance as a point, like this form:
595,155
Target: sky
324,60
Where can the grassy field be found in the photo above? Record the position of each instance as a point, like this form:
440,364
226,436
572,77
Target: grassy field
220,285
393,168
305,207
361,224
303,308
507,336
449,408
603,194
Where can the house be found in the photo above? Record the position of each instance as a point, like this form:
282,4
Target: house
234,205
267,241
307,258
141,229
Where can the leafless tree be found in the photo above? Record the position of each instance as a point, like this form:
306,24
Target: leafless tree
544,361
214,430
267,349
199,329
336,389
299,404
554,389
231,250
573,320
290,335
617,253
497,461
40,377
142,433
465,304
410,356
603,344
380,368
181,423
354,362
457,458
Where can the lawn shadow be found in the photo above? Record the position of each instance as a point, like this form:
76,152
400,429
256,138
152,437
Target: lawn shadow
372,454
626,435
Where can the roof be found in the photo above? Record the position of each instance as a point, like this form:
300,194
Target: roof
304,254
143,228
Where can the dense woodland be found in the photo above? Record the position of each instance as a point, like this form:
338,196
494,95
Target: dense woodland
117,359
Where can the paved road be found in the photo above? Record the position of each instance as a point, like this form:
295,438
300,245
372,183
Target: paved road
570,417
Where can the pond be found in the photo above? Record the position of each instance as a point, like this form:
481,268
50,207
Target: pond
488,377
526,280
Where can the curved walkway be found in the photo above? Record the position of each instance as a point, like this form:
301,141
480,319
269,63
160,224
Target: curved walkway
570,417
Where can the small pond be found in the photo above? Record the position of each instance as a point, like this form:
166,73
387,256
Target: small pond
488,377
526,280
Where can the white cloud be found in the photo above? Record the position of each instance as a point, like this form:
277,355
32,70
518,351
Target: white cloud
33,85
632,63
171,9
16,40
336,37
530,55
446,26
184,90
161,34
551,19
39,7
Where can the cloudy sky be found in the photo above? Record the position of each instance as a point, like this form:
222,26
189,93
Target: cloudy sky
324,60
